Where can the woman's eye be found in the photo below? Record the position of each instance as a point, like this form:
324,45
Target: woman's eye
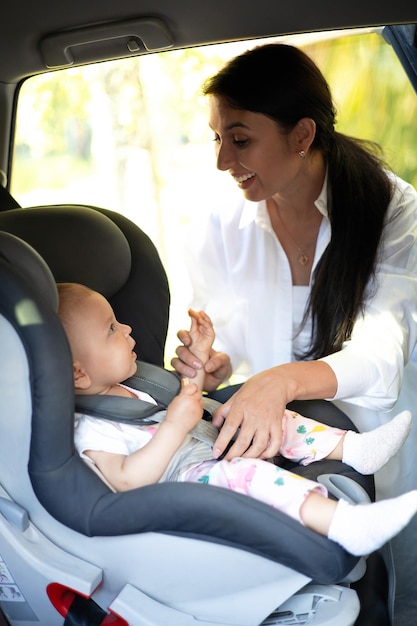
111,329
241,143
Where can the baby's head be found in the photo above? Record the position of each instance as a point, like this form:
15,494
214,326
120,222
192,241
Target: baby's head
102,348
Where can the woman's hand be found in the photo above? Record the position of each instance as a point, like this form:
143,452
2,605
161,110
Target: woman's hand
217,369
257,408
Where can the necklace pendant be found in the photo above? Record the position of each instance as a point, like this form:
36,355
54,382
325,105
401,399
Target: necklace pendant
303,259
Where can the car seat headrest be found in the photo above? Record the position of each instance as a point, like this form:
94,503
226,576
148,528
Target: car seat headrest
29,263
110,254
79,244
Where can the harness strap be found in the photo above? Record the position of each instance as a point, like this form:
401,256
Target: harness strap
118,408
204,430
159,383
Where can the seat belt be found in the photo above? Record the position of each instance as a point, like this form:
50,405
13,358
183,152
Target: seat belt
159,383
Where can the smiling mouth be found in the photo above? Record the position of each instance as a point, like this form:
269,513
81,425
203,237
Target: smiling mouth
244,178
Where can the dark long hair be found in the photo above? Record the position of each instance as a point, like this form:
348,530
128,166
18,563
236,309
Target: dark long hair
283,83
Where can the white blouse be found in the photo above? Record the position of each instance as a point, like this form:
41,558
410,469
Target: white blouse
241,277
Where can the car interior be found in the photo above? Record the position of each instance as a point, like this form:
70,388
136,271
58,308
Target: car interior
72,551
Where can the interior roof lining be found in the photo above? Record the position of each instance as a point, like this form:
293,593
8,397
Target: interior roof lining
22,30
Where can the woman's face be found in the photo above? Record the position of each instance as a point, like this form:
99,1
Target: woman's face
262,159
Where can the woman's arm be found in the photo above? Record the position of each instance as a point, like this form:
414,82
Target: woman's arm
369,368
367,371
257,408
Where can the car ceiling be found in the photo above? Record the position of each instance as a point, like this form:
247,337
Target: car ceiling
26,25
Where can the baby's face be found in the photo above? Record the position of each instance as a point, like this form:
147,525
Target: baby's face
105,346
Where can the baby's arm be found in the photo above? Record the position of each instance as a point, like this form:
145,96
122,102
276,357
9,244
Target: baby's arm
147,465
202,337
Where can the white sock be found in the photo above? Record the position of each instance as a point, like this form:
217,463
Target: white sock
368,452
363,528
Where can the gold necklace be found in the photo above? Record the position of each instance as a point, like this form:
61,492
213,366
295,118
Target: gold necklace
303,258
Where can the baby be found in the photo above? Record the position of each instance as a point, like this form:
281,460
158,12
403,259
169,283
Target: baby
131,456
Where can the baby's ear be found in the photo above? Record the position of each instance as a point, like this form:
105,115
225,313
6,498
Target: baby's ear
81,378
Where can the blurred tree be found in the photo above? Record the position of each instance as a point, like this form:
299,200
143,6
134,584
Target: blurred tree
373,96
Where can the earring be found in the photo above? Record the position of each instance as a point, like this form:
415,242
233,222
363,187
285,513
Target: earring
301,154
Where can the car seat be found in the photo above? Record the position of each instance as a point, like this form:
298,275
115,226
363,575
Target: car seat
110,254
74,552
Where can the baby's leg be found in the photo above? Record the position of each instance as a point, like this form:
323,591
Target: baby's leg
360,529
259,479
306,440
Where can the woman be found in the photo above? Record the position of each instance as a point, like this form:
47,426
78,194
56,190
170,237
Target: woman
311,280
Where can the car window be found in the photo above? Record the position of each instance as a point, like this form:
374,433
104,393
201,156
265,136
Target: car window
132,135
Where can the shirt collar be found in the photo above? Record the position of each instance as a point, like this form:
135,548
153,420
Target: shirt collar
252,212
322,201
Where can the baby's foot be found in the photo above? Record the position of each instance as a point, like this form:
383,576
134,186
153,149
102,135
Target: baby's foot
368,452
363,528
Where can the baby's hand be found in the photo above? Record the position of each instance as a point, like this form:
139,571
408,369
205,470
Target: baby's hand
201,334
186,409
